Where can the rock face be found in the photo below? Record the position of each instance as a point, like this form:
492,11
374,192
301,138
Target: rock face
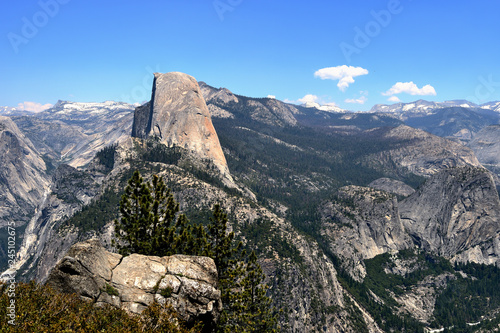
361,223
264,110
455,215
486,146
422,153
43,244
188,283
418,300
222,94
178,115
72,133
392,186
23,179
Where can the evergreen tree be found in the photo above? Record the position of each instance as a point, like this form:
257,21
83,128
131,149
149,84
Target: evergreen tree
135,215
220,243
232,318
189,239
246,307
164,210
254,311
148,223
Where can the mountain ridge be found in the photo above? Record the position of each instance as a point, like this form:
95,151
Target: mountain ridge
309,212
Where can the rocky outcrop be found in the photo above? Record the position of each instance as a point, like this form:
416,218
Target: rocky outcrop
212,94
177,115
188,283
392,186
486,146
455,215
419,300
269,111
361,223
420,152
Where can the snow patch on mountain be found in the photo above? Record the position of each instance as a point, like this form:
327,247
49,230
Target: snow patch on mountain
426,107
324,107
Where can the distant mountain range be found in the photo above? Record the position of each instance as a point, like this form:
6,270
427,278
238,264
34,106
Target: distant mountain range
363,222
72,132
416,106
426,106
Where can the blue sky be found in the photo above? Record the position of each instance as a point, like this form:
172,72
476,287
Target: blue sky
351,53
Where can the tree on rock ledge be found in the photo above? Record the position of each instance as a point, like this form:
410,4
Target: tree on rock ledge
149,223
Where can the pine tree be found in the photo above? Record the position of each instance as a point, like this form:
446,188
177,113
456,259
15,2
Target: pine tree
135,214
246,308
221,248
220,243
164,210
232,318
148,223
189,239
254,311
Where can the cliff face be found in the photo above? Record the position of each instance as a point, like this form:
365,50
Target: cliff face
455,215
486,146
361,223
177,115
22,175
292,169
43,242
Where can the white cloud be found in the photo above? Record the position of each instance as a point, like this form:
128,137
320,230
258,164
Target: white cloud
360,100
33,106
311,100
271,96
410,88
394,99
344,74
308,99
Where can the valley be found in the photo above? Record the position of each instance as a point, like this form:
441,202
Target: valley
379,221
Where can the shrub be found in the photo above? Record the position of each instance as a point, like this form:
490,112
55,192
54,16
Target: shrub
41,309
